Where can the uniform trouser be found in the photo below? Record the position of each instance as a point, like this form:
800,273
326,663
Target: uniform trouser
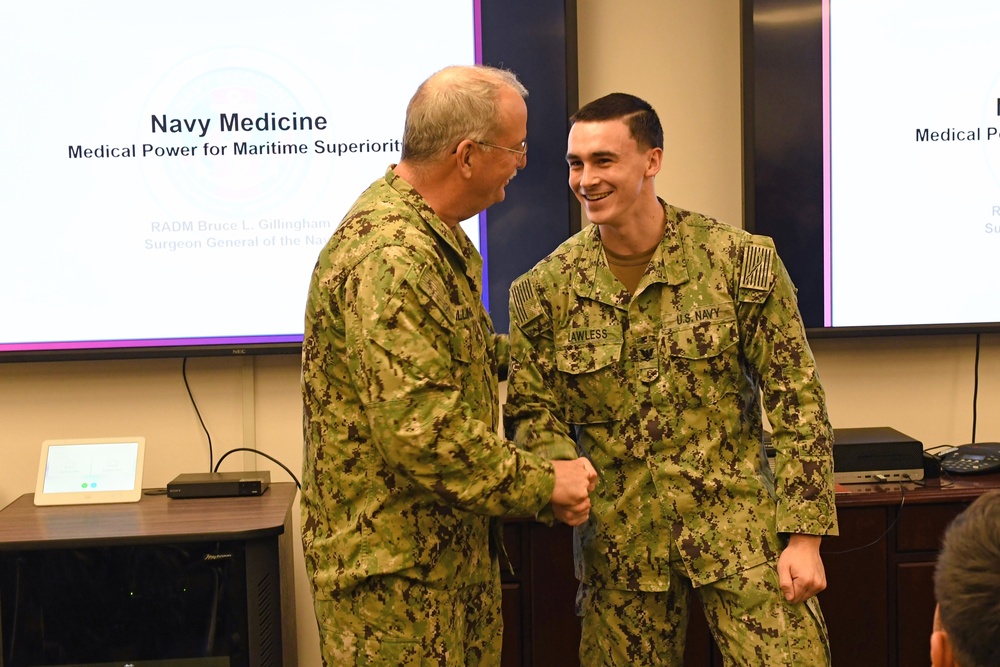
395,622
752,623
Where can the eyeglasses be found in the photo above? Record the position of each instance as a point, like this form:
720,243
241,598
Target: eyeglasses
521,154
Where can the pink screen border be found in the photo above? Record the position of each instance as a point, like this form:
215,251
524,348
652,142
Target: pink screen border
827,206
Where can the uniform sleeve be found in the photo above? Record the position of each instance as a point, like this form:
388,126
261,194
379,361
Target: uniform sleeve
501,348
774,343
410,357
533,415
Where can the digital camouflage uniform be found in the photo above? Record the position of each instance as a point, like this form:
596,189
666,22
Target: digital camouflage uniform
661,390
403,465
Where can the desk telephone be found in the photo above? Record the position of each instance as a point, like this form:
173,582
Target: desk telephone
971,459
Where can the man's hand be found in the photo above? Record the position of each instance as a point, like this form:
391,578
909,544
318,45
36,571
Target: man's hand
800,568
571,495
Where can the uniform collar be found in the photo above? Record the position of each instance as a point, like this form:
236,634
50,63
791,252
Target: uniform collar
668,265
454,238
594,279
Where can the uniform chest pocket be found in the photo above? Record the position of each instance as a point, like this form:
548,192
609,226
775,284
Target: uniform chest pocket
702,363
468,344
594,382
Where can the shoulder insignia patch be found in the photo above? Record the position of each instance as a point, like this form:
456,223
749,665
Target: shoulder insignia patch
524,303
756,273
432,287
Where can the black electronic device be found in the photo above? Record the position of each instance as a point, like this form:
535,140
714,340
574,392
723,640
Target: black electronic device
869,455
972,459
219,484
876,454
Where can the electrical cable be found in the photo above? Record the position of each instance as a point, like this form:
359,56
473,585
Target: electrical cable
208,435
211,457
975,391
899,512
15,623
266,456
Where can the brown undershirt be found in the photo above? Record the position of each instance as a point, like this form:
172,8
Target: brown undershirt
628,269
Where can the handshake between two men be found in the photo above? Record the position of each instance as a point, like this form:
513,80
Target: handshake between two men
571,496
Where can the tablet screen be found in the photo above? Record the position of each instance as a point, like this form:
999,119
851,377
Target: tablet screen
102,470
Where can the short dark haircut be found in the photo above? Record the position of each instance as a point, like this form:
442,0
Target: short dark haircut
967,583
641,119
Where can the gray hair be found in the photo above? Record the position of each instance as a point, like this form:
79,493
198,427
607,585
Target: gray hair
455,103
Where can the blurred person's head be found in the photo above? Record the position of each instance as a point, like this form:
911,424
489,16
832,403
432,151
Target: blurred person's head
967,587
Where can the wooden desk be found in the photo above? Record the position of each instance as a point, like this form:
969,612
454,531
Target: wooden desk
879,602
259,527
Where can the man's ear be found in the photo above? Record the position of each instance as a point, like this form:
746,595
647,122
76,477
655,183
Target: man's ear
654,161
464,156
941,655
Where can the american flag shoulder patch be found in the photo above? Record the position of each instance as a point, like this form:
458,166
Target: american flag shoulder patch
432,287
757,267
524,303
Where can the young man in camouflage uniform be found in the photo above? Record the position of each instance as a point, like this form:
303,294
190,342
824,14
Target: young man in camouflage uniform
645,342
403,466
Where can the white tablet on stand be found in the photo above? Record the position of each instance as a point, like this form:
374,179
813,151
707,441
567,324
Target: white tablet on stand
90,471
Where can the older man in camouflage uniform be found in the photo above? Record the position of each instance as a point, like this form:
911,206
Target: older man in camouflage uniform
403,465
645,342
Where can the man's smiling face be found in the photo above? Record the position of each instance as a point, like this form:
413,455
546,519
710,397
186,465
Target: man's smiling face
607,169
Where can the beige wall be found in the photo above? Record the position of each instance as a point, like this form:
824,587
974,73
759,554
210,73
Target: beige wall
683,57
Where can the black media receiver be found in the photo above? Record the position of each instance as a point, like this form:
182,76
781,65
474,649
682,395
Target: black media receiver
219,484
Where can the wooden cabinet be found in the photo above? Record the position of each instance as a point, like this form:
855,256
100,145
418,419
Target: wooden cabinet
855,602
540,626
201,580
879,603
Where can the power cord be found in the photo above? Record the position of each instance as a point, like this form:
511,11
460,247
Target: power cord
197,412
266,456
215,467
975,391
946,481
899,512
929,451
